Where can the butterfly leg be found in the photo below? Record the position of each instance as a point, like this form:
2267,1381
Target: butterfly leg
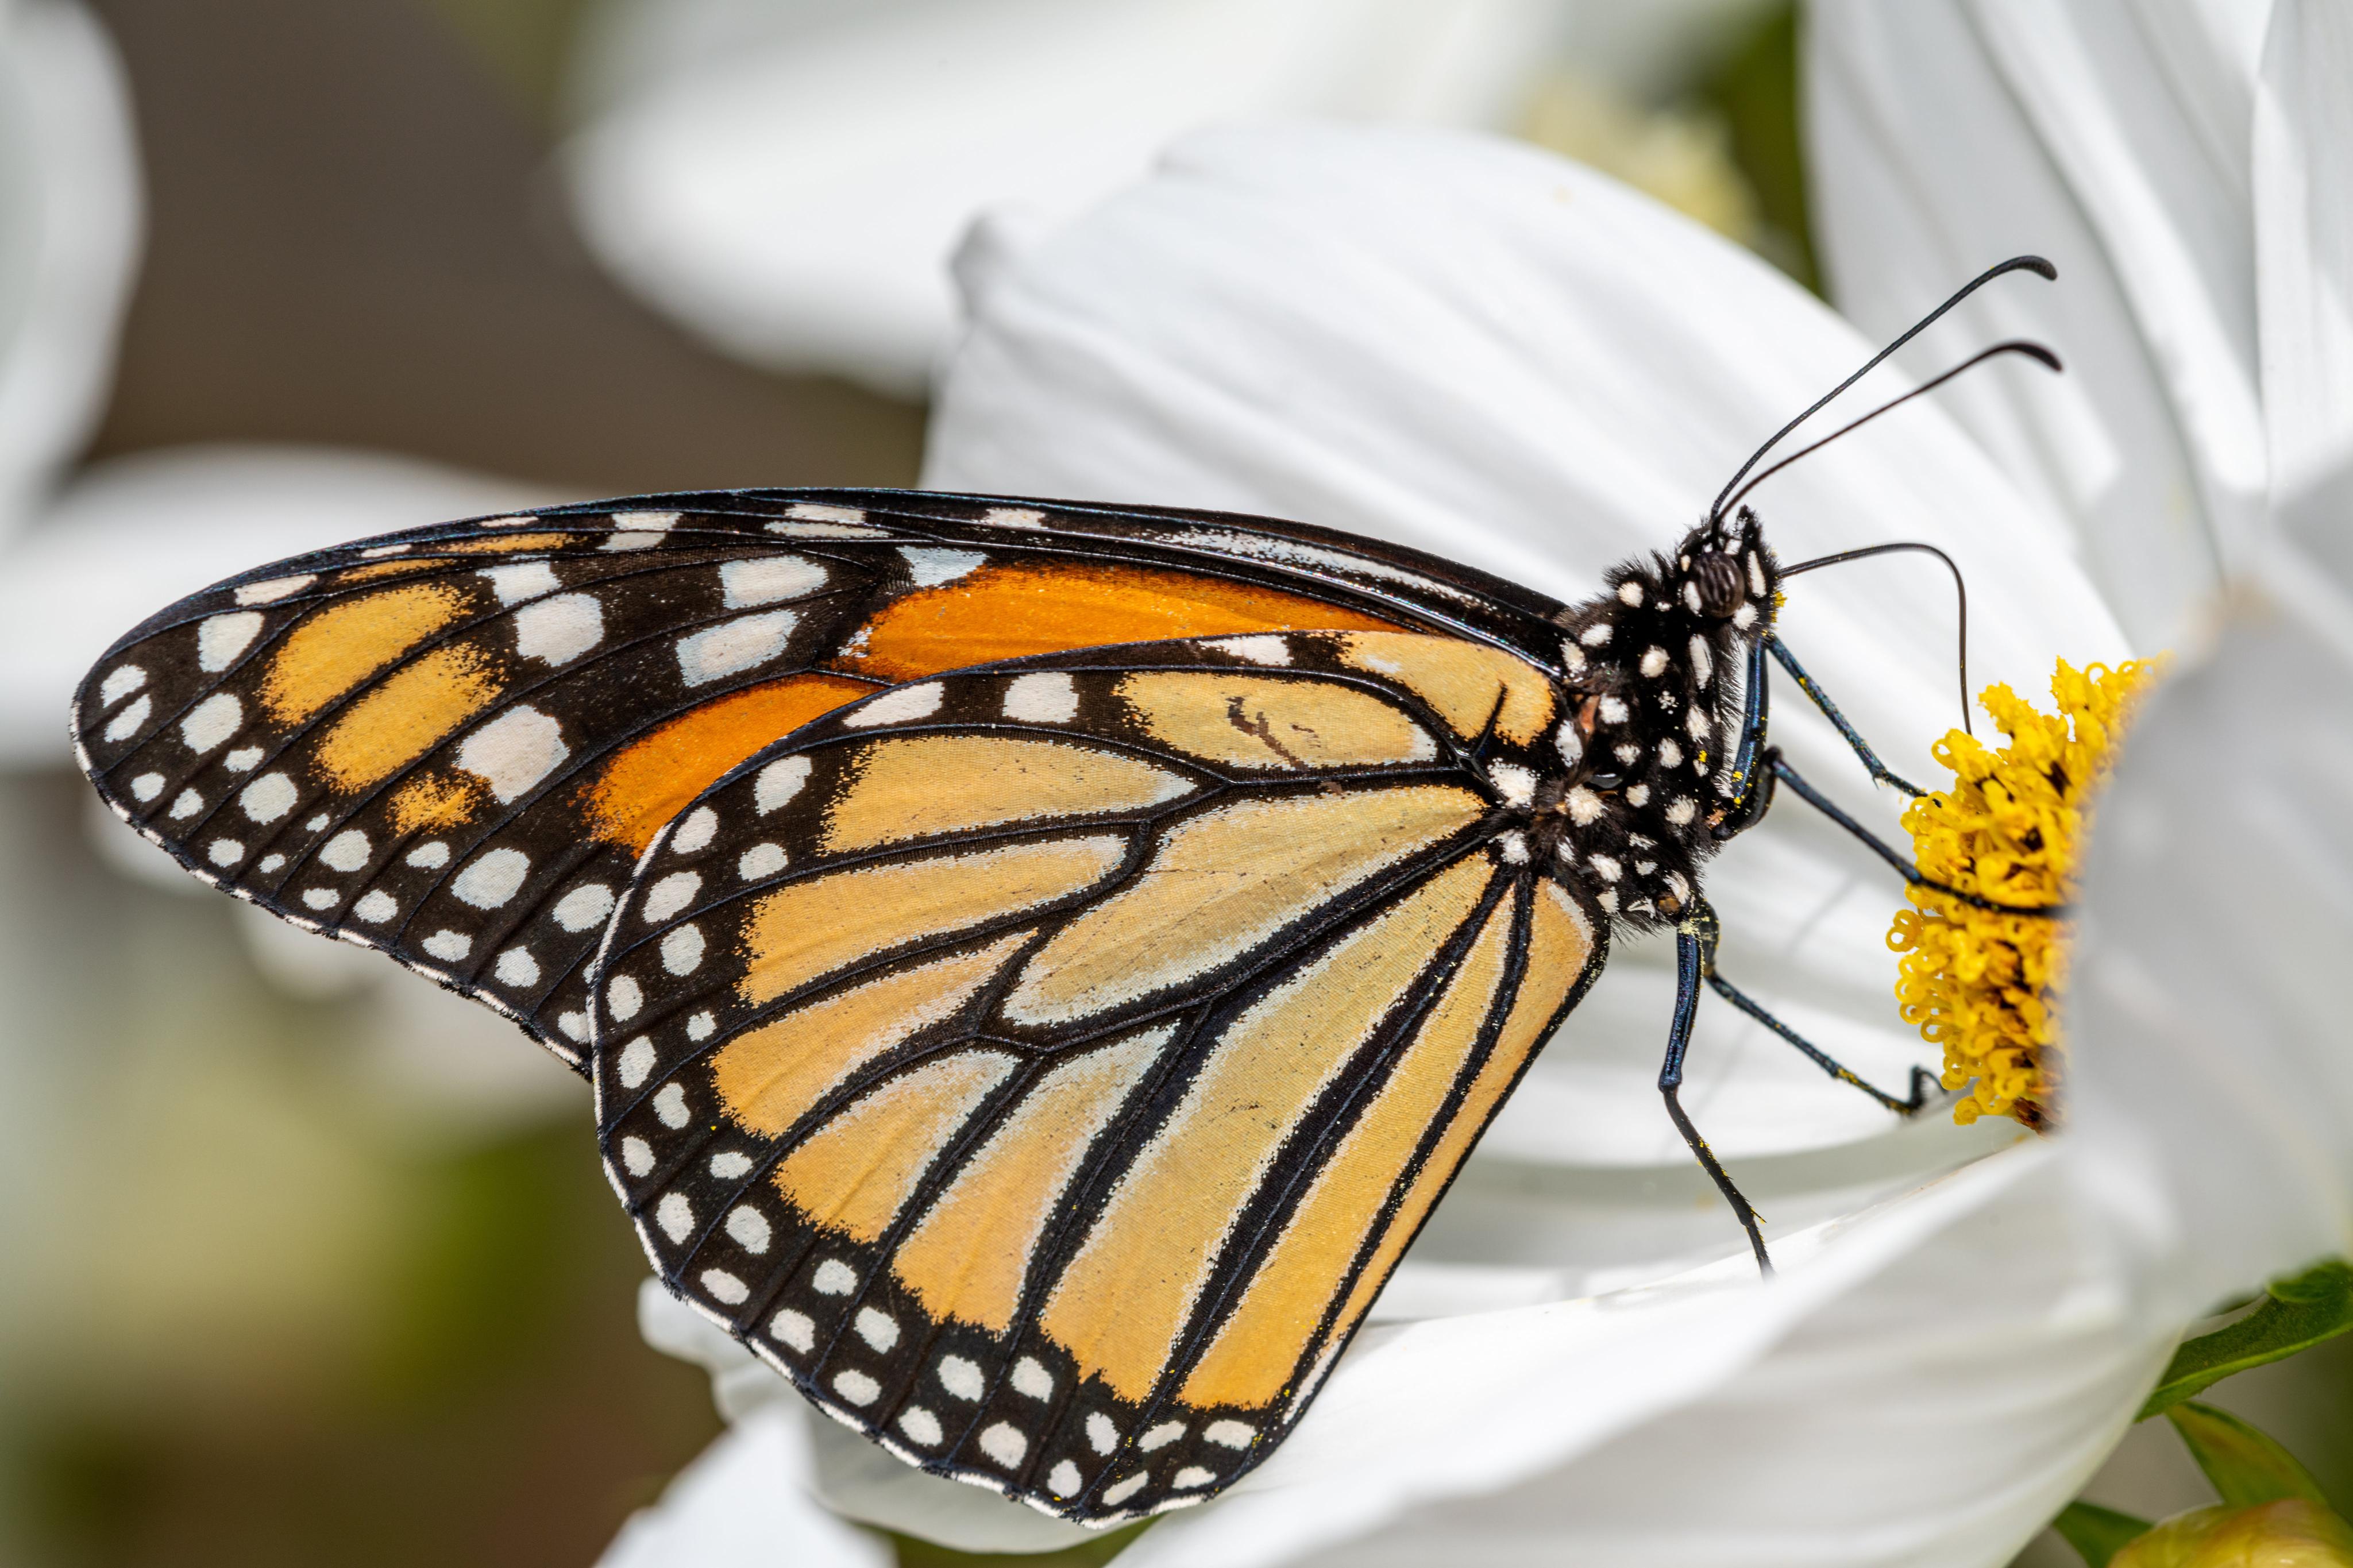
1782,771
1691,950
1879,770
1924,1083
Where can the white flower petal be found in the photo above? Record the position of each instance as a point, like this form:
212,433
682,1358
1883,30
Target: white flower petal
745,1504
2214,1091
1962,1363
1482,351
794,194
2303,258
2113,140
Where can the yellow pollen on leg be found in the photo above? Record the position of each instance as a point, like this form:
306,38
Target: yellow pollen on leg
1981,985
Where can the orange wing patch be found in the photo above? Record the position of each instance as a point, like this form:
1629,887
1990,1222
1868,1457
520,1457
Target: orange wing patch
341,645
650,780
1015,611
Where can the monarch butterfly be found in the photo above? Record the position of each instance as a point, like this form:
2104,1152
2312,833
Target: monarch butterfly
1038,963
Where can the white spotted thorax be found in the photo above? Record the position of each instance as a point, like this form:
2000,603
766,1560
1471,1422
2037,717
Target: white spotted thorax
1654,667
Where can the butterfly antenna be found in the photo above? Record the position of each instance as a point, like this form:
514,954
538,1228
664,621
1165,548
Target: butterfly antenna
2035,352
1960,592
2034,264
2032,350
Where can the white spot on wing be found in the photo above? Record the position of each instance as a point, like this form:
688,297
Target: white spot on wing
1063,1479
856,1387
514,751
244,760
636,1156
681,950
1047,698
346,851
1160,1436
123,680
584,906
375,908
834,1278
275,589
898,705
670,1106
669,895
694,833
1014,517
147,787
211,721
749,1227
1004,1442
1120,1492
1031,1379
622,998
226,852
520,580
878,1329
659,521
733,646
1192,1476
517,967
779,782
931,566
765,579
492,879
431,856
222,637
760,860
558,630
728,1291
126,723
1515,783
1102,1436
635,1062
268,797
448,946
1268,650
960,1377
796,1330
675,1215
921,1425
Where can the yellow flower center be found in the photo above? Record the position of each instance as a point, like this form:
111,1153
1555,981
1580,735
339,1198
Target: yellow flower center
1981,985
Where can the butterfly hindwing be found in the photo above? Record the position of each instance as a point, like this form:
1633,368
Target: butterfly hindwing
453,743
1045,1063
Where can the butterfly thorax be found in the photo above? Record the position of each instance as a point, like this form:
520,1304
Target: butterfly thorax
1652,696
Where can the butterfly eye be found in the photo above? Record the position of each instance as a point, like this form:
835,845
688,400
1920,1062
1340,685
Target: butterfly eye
1604,780
1717,581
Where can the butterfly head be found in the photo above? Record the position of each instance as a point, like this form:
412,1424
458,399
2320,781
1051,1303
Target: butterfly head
1653,671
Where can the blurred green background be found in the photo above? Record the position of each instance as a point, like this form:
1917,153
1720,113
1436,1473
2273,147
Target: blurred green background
288,1285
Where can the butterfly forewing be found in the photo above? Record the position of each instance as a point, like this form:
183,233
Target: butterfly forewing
1045,1063
453,744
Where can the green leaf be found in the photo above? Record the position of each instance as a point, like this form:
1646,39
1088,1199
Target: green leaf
2296,1314
2096,1534
2246,1467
